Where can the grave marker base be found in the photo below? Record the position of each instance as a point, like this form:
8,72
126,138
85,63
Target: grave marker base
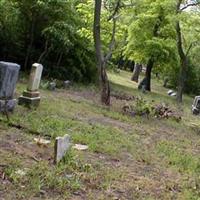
7,105
29,102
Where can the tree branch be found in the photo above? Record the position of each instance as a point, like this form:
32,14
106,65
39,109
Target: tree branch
115,10
191,46
97,32
112,43
189,5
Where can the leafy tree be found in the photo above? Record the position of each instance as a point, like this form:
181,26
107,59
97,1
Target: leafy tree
150,36
183,50
47,32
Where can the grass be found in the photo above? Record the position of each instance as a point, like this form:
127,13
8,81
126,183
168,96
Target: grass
128,158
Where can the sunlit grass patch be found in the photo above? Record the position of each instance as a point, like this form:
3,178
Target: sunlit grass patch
176,157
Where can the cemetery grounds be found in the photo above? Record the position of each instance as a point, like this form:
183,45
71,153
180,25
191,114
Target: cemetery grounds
128,157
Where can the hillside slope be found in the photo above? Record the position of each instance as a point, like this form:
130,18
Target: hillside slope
138,157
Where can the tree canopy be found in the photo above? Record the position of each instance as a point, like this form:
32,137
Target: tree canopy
163,35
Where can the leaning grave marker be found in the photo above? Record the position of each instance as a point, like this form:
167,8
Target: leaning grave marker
31,97
196,106
62,145
9,73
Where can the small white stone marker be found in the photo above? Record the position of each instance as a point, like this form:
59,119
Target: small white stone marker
62,145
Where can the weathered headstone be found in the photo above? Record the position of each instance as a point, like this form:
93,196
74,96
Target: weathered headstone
8,78
196,106
31,97
62,145
66,84
173,94
170,92
52,86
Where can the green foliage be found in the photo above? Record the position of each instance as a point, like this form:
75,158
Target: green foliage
47,32
144,41
142,107
182,160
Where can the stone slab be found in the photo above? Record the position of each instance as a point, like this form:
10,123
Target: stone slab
8,78
29,102
62,145
35,77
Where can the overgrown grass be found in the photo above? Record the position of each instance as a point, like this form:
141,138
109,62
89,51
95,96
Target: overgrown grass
185,163
95,170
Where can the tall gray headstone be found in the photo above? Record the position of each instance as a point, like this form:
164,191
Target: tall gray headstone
31,97
62,145
9,73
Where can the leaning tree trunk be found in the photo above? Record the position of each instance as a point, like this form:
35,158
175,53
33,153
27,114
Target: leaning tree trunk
181,81
105,86
136,72
148,75
101,63
146,82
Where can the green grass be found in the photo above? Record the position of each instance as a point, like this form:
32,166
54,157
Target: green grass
185,163
123,151
175,156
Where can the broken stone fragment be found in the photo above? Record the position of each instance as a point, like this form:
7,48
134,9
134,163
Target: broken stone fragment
42,142
80,147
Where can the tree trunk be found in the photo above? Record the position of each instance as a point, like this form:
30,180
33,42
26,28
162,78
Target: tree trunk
136,72
105,87
31,39
181,80
101,63
183,64
147,79
45,52
59,59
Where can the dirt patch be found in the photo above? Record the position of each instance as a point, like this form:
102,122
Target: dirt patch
18,143
110,122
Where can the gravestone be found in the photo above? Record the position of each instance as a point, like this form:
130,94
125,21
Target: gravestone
52,86
9,73
169,92
173,94
66,84
196,106
31,97
62,145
